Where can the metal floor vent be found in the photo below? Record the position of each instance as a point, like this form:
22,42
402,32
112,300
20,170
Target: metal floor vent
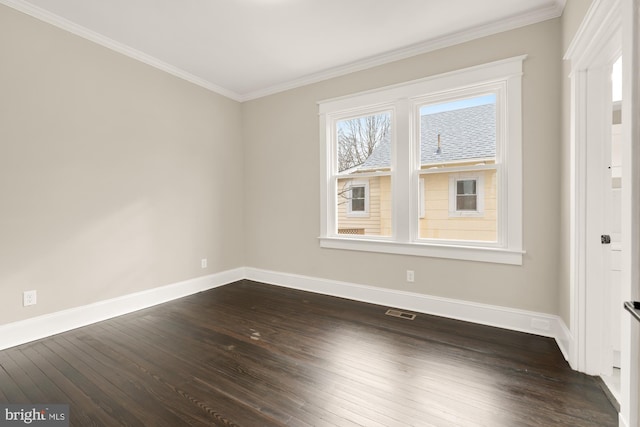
402,314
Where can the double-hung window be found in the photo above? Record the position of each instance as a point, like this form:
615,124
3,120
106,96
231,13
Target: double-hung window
432,167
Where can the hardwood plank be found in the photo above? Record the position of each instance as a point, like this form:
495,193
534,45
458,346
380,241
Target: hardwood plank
84,411
57,388
11,389
251,354
215,406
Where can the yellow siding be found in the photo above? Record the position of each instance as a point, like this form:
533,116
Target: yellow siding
379,206
385,205
437,224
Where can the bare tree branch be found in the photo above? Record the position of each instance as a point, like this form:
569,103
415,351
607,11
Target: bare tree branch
358,138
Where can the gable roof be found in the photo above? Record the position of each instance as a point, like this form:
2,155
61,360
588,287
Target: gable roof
465,134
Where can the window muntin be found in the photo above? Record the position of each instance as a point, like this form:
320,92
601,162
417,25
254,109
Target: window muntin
414,183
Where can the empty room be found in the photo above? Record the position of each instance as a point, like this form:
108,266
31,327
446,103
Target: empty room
320,213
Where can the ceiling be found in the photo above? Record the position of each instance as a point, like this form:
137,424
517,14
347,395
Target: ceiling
245,49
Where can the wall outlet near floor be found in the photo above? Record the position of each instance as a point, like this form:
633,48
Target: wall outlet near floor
411,277
29,298
203,263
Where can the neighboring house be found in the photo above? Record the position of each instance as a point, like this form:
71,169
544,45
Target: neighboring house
457,182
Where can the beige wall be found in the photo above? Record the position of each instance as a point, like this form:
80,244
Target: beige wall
574,13
281,143
114,177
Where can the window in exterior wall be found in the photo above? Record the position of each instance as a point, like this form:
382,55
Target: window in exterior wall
363,174
355,194
421,168
466,195
357,199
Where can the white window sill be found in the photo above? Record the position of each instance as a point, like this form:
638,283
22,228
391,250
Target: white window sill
472,214
468,253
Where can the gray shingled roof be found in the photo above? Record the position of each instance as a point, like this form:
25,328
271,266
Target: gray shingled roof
465,134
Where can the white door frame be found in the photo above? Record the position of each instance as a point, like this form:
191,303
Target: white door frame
610,26
597,43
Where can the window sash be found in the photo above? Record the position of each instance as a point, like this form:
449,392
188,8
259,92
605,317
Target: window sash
505,77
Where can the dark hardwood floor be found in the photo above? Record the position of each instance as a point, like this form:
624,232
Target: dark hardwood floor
249,354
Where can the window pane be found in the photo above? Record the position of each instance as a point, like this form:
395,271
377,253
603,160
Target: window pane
357,205
364,203
459,134
467,186
364,209
364,143
466,203
357,193
452,216
452,208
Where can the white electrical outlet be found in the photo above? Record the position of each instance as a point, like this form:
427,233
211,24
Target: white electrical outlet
203,263
29,298
411,277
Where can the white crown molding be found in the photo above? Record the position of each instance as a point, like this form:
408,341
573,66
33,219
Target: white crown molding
583,46
502,317
539,15
35,328
552,11
78,30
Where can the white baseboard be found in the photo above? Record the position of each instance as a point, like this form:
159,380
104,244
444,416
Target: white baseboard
28,330
621,421
24,331
502,317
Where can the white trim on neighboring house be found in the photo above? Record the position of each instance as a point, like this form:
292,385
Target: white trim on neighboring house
358,183
478,177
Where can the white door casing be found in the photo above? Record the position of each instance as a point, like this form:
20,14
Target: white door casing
610,27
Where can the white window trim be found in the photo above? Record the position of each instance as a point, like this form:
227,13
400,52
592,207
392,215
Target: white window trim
358,214
506,74
453,195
